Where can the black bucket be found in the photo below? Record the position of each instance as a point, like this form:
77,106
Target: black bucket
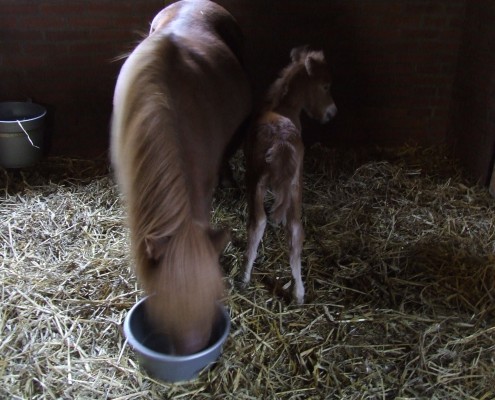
22,126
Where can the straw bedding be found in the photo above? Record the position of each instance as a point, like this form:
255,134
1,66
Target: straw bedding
398,264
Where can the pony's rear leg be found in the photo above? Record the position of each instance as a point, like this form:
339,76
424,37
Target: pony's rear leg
296,238
256,227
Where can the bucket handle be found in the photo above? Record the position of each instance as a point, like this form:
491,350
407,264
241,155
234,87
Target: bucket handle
27,135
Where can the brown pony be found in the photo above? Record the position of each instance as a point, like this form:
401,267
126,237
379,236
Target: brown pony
179,98
274,153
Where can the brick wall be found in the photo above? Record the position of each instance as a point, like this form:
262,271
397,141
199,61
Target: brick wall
394,62
473,113
59,53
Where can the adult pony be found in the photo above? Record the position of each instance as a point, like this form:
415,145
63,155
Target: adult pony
274,154
179,98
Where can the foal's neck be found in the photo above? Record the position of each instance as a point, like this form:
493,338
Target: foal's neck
291,107
291,103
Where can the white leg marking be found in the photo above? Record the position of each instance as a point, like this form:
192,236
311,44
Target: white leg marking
296,241
255,234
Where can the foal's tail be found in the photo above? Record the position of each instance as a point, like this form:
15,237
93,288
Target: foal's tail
284,159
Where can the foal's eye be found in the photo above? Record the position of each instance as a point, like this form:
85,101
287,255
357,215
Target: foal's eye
326,87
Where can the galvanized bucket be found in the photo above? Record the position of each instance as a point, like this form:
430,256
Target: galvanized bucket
153,349
22,126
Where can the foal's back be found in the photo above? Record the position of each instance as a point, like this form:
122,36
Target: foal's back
274,154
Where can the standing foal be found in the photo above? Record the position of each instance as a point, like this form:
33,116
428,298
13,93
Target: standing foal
274,153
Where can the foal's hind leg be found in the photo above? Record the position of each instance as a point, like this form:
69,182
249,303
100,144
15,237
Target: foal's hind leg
256,227
296,238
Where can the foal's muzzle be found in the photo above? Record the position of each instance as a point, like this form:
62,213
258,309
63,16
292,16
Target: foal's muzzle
330,113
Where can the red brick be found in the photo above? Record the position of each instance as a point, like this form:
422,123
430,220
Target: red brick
8,22
423,7
421,112
394,59
17,8
457,22
64,35
422,33
114,8
10,47
88,21
41,22
16,35
64,8
387,8
44,48
114,35
435,22
21,61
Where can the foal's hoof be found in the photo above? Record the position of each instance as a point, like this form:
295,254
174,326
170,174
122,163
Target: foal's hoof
241,285
298,298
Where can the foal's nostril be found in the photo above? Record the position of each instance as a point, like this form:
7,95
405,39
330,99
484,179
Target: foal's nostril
331,112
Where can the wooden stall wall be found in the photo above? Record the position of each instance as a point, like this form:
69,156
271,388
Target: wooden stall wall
60,54
394,62
472,132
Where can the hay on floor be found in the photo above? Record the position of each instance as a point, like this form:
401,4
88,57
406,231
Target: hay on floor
398,264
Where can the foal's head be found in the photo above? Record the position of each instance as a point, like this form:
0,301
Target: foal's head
316,83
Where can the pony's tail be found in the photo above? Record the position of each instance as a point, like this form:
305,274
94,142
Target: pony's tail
284,164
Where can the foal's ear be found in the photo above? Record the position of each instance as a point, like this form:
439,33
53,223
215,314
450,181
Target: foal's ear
313,59
154,246
298,53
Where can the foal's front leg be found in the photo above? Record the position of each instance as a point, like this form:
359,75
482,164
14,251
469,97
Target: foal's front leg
256,227
296,238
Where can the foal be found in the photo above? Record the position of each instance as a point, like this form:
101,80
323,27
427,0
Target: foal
274,153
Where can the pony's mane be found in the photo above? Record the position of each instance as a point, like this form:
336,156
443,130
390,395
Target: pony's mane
279,89
141,36
151,173
159,199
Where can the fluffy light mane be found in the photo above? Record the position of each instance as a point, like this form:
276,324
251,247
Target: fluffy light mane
183,271
282,85
157,192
